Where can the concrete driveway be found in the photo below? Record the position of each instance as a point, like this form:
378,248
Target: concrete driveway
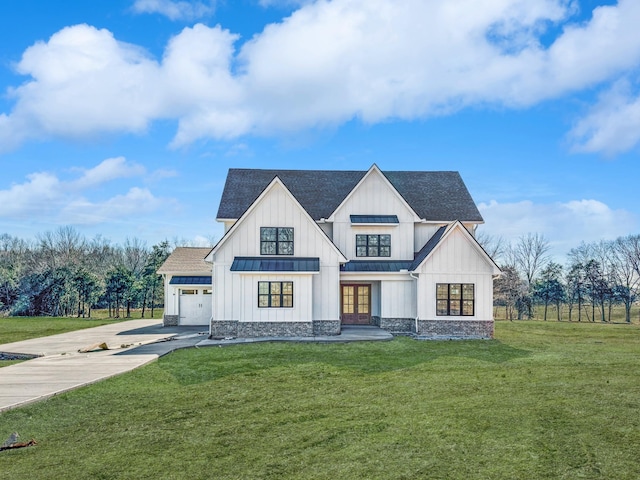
60,367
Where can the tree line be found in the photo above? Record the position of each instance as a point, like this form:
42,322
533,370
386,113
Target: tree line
62,273
597,277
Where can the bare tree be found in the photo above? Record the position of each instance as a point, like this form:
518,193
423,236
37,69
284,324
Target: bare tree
529,255
493,245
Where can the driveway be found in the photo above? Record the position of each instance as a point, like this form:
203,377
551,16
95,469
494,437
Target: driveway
60,367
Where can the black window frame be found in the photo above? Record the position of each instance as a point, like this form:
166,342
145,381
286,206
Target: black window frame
276,241
375,246
278,295
456,303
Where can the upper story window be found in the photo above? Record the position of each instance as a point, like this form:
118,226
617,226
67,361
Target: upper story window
455,299
373,245
276,241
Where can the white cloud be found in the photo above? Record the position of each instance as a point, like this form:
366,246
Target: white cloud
325,64
107,170
43,195
175,10
565,225
38,195
613,125
136,202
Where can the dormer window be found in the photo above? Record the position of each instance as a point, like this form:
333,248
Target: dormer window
373,245
276,241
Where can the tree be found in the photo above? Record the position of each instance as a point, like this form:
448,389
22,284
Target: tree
625,259
153,281
509,290
119,282
549,289
88,288
528,255
575,289
494,246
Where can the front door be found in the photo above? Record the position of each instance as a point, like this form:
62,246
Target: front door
356,304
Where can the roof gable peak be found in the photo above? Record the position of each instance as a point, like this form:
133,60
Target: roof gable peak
374,170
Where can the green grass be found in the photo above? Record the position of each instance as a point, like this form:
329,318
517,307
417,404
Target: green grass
544,400
15,329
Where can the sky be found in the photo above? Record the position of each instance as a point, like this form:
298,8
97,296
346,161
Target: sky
121,117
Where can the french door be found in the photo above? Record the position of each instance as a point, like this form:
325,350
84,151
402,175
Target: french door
356,304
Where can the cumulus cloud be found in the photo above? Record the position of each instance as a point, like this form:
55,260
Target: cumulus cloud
137,201
325,64
613,125
175,10
107,170
564,224
43,195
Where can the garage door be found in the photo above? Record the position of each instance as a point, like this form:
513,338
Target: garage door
195,306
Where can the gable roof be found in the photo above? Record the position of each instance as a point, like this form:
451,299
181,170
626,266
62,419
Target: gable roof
438,238
275,181
434,196
428,248
186,260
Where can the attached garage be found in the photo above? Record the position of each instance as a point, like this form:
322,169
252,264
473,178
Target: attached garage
188,287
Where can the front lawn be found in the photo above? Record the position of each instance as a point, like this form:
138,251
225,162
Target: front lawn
544,400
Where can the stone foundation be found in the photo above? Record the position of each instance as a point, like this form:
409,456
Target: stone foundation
232,328
455,329
275,329
326,327
170,321
224,328
398,326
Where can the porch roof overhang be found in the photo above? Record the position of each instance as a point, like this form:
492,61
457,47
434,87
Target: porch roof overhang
191,280
271,264
375,266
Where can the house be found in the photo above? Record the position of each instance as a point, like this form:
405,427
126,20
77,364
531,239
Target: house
306,251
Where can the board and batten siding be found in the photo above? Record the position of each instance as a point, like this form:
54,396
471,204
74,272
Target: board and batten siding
374,197
398,299
275,209
456,260
302,299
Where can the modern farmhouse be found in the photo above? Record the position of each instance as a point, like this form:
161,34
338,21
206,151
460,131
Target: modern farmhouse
306,251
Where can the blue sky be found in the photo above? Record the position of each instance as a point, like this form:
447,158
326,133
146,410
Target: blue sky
121,118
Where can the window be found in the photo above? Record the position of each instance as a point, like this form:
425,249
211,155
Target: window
455,299
275,294
207,291
373,245
276,241
188,291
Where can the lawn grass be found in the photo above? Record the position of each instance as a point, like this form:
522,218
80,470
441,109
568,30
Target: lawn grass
15,329
544,400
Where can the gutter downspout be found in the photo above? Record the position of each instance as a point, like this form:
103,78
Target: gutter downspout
411,274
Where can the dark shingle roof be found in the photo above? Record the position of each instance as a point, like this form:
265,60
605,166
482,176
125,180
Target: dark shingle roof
435,196
271,264
428,248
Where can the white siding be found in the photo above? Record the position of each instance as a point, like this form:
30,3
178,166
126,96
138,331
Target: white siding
398,299
233,292
456,260
423,232
302,299
375,197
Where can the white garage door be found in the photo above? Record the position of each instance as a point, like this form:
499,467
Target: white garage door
195,306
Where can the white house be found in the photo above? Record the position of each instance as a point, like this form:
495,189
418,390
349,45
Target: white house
305,252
